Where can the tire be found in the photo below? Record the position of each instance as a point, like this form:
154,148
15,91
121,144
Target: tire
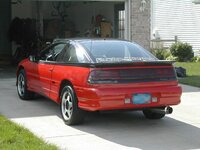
22,90
70,111
152,115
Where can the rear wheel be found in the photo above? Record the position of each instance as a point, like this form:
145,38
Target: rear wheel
70,111
22,90
149,114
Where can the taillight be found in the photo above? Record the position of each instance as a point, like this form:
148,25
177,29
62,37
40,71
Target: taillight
165,72
104,76
131,75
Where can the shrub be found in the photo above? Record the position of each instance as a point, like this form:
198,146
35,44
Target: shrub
196,59
183,51
161,54
170,57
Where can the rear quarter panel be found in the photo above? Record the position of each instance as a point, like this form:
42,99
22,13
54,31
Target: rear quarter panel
77,76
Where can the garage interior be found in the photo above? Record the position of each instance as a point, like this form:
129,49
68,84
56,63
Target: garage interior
39,21
65,19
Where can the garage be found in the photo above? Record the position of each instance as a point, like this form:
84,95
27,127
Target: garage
75,18
68,19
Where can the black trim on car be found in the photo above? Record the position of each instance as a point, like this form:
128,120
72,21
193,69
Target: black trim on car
101,65
137,80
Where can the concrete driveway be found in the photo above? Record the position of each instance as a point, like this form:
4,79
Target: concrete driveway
107,131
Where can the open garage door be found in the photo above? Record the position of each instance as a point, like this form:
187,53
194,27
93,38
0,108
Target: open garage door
77,18
41,21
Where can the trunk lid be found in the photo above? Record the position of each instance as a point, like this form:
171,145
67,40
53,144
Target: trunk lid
136,72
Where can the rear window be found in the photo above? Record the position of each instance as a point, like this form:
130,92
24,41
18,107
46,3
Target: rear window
116,51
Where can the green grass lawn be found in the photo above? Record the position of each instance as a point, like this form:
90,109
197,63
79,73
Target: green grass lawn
193,73
15,137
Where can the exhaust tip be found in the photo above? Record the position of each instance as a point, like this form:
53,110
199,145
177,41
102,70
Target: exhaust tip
168,110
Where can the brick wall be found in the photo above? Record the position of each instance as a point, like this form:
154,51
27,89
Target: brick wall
141,23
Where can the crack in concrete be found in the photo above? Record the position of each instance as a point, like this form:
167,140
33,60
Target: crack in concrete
64,136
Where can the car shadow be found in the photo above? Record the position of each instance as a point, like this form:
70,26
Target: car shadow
131,129
13,107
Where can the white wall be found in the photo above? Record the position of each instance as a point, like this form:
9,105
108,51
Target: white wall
177,17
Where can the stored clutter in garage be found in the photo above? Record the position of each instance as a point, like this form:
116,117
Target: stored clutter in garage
78,18
64,19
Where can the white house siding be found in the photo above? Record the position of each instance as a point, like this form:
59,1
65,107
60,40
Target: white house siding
177,18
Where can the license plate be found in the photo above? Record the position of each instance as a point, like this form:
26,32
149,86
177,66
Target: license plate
141,98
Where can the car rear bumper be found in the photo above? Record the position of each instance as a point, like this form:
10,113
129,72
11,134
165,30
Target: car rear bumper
93,99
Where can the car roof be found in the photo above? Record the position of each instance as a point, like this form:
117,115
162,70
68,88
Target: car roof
86,39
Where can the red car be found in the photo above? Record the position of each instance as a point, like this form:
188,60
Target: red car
99,74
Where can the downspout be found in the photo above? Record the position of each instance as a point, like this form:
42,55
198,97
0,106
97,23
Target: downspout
128,20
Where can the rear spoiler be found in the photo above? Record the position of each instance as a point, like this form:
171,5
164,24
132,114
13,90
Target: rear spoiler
139,63
116,64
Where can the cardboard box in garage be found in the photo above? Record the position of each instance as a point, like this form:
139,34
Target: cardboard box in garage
106,29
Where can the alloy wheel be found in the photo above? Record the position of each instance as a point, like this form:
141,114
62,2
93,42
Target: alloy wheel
67,105
21,84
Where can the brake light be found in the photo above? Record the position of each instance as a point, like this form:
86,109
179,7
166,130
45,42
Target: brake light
104,76
131,75
165,72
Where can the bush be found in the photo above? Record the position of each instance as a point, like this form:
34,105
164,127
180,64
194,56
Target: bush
170,57
182,51
161,54
196,59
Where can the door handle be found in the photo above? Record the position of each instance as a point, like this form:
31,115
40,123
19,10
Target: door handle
51,69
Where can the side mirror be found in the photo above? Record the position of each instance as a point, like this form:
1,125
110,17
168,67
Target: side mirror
33,58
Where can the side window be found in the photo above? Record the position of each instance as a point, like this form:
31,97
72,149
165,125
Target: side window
72,54
68,54
52,52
